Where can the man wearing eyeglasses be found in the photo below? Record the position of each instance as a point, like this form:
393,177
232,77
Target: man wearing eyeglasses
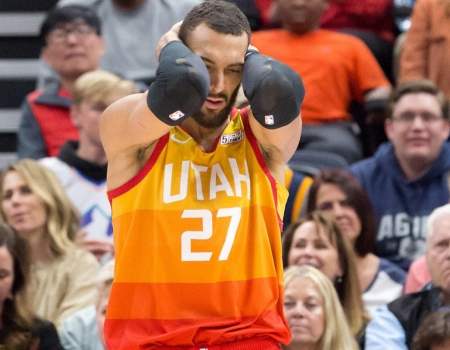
408,177
72,46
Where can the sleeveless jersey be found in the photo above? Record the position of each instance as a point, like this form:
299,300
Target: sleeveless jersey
198,251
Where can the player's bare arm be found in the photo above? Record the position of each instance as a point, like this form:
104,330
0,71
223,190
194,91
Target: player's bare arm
278,145
130,127
275,92
127,126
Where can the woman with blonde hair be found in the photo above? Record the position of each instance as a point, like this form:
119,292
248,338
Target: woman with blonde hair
313,312
34,203
317,241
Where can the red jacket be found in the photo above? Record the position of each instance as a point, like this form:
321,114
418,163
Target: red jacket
46,123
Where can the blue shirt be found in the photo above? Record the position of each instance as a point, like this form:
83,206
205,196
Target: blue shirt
80,332
401,206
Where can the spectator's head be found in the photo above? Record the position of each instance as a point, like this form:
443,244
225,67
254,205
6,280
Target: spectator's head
417,122
34,202
219,33
92,93
434,332
313,311
317,241
438,249
339,192
104,283
301,16
72,41
14,268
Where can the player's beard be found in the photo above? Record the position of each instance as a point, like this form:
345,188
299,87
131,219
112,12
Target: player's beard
213,120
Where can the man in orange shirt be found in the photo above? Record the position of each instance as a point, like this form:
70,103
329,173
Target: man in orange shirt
337,69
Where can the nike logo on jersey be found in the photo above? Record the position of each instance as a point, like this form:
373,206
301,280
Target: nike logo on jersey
178,140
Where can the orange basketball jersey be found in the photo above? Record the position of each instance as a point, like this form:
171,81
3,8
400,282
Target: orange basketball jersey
198,251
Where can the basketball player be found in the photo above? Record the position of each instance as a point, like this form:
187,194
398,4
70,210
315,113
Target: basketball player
197,192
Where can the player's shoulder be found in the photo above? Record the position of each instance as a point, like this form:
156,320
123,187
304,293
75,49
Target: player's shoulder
126,103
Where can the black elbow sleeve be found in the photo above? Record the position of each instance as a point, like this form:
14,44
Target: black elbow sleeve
181,85
275,91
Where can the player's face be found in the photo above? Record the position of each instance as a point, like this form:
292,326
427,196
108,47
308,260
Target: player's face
417,129
311,246
223,55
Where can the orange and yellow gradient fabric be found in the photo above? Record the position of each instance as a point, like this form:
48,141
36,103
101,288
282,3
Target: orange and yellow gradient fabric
198,251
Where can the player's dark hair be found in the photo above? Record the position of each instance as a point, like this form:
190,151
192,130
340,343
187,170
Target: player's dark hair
219,15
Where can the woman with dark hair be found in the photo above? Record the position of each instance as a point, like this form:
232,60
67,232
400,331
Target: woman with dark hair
19,329
434,332
340,193
317,241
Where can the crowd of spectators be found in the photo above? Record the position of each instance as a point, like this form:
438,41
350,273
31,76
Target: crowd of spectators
368,245
318,241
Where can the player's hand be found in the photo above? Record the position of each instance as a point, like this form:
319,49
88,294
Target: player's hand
171,35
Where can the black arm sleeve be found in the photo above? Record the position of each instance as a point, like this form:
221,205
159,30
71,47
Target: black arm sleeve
275,91
181,85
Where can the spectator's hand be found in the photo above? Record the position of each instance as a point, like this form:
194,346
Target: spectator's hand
97,247
171,35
